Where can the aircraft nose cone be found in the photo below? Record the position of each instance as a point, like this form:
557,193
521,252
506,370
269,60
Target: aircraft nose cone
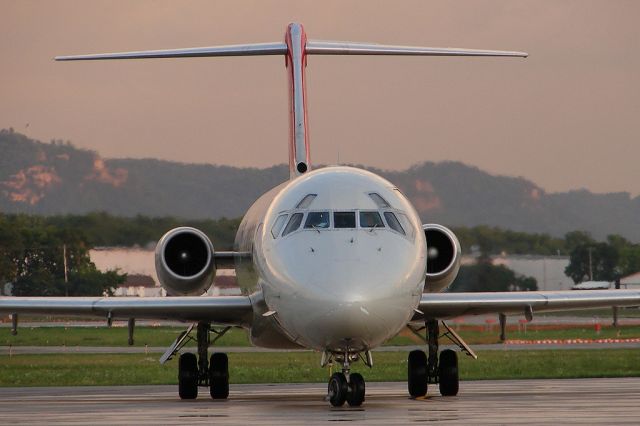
344,289
351,313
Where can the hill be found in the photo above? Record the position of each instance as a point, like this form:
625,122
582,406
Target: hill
57,178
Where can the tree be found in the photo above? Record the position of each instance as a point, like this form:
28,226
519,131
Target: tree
576,239
9,242
38,256
39,282
91,282
605,261
593,261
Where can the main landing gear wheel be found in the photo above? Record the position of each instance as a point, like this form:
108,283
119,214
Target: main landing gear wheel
449,382
417,373
338,389
219,376
188,376
355,395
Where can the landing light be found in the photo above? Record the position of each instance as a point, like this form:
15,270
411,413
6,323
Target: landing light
302,167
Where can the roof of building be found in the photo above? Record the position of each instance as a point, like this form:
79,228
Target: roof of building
631,279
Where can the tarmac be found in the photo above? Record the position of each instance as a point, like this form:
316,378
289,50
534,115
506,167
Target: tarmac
578,401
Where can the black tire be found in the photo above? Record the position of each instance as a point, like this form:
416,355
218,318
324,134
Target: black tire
449,382
338,389
355,396
417,373
219,376
188,376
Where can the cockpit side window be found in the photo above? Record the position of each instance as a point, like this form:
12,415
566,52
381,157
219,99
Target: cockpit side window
294,224
393,222
371,220
344,219
317,220
306,201
278,224
406,223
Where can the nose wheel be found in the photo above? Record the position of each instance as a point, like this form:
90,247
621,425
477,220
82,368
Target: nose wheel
342,390
346,386
338,389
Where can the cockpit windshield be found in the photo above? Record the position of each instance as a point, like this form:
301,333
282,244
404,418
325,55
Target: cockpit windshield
317,220
371,220
393,222
344,219
385,218
294,224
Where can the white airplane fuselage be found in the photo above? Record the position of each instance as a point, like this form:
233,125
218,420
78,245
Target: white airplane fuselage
339,256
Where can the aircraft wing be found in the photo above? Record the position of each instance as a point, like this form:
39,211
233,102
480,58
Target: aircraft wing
448,305
225,310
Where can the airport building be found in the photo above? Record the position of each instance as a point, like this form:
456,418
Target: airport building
632,282
547,270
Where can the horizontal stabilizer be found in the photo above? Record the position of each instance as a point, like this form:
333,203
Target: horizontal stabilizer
348,48
195,52
313,47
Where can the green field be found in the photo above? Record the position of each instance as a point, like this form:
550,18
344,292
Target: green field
100,335
140,369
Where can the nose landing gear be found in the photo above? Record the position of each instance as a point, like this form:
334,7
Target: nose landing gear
346,386
342,390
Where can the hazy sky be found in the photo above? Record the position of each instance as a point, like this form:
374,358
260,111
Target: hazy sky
567,117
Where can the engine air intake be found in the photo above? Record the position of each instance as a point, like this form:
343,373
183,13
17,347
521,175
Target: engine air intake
185,262
443,257
186,254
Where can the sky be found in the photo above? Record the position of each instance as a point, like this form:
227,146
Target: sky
566,118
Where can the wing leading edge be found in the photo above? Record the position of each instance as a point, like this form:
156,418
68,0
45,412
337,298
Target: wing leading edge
227,310
449,305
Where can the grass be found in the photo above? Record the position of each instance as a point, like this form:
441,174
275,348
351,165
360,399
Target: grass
140,369
603,313
164,336
479,334
101,335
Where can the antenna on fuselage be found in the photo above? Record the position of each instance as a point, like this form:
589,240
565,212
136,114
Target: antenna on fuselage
295,48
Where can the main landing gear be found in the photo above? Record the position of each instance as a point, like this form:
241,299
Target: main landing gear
195,371
443,370
346,386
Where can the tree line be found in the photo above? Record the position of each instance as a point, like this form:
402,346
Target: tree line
40,259
106,230
33,250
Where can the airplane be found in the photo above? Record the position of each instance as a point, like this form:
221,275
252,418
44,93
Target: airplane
335,260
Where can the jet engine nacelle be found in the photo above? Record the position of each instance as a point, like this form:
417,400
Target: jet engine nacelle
443,257
185,262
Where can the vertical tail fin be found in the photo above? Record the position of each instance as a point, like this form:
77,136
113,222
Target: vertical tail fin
295,49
